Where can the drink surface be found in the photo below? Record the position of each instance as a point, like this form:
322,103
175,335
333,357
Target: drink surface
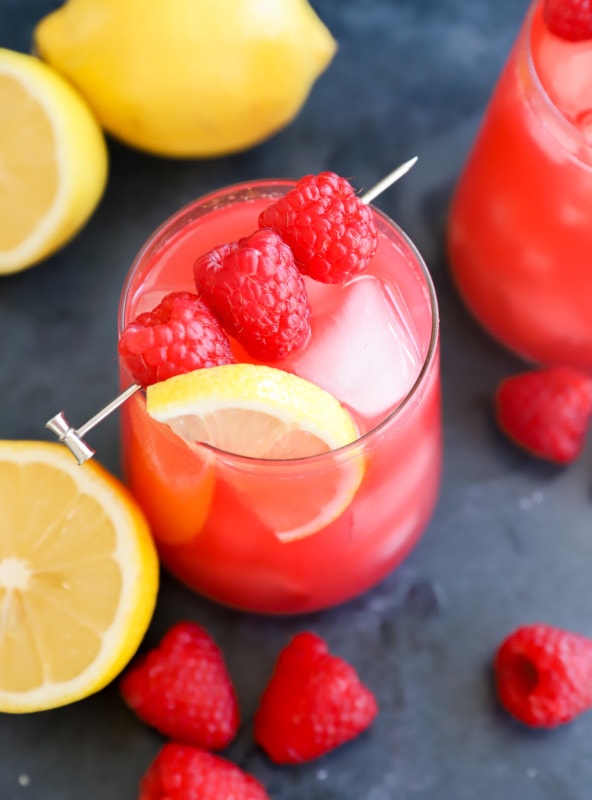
214,515
520,227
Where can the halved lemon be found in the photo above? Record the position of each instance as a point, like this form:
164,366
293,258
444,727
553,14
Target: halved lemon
53,161
269,414
78,577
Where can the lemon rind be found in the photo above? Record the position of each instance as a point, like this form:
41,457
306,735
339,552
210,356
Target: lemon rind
79,143
139,580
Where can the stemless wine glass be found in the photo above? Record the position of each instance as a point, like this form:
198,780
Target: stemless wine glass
287,536
520,226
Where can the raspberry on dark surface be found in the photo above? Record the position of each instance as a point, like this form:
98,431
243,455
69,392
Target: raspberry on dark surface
331,232
544,675
182,772
183,689
547,411
313,703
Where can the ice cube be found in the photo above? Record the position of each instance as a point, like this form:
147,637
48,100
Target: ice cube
361,348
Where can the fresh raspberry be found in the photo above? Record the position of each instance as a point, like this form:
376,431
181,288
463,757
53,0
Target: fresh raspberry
182,772
313,703
332,233
179,335
544,675
182,688
569,19
547,411
256,291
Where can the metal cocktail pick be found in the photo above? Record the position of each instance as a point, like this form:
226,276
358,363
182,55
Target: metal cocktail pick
73,437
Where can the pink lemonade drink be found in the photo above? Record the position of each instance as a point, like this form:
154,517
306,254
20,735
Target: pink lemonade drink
520,228
289,536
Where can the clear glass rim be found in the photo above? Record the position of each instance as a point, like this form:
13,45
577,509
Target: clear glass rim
283,183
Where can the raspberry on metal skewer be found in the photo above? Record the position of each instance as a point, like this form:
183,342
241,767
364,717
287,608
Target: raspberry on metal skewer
73,437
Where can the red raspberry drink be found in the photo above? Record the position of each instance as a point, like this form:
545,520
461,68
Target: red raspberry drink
295,535
520,230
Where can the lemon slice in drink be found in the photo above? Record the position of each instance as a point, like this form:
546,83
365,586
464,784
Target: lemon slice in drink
53,161
78,577
266,413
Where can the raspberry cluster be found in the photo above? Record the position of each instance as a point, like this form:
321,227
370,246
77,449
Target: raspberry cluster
253,290
313,703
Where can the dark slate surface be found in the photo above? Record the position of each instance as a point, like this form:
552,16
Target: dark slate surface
511,539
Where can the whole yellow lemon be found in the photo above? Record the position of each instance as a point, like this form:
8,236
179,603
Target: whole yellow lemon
189,78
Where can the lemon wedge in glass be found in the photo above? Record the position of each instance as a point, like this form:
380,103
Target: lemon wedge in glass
270,415
252,410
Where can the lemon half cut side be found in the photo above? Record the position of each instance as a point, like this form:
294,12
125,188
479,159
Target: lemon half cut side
53,161
78,577
266,413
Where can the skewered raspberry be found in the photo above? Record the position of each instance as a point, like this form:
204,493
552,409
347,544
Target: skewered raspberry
179,335
255,290
332,233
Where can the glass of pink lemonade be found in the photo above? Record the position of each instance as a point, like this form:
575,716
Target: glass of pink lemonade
520,227
295,535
